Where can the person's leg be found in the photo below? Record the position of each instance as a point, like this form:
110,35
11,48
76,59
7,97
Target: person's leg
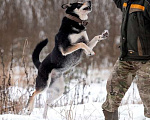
143,84
117,85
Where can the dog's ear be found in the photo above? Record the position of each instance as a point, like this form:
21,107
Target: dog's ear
65,6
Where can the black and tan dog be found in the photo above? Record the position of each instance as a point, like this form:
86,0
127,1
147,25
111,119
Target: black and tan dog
71,42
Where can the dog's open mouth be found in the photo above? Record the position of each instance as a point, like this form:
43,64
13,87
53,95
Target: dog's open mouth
87,8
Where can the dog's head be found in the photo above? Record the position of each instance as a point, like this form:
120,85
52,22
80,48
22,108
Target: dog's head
78,9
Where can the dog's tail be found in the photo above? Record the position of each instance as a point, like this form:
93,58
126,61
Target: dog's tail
36,52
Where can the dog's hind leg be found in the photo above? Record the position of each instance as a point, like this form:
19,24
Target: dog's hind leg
56,89
41,85
30,104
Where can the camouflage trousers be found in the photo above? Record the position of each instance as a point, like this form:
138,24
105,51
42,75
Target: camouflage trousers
119,82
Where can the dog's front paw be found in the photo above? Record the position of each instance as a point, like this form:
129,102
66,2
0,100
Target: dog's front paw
89,52
103,36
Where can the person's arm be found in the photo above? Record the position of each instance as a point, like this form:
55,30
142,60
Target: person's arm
119,3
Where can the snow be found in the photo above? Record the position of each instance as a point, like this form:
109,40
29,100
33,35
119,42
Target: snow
131,107
89,111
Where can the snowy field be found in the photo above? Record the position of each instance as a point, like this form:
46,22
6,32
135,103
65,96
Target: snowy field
130,109
90,111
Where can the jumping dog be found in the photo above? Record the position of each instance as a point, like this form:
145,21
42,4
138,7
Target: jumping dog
71,42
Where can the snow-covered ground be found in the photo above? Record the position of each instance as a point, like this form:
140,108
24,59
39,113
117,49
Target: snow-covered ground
131,107
89,111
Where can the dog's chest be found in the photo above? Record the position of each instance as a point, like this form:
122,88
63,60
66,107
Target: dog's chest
80,37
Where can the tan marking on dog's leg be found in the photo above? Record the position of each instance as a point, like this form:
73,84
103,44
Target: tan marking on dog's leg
76,47
31,101
87,49
70,49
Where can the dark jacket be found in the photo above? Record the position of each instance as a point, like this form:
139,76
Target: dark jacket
135,29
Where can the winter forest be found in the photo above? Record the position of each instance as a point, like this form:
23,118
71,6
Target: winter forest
23,24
